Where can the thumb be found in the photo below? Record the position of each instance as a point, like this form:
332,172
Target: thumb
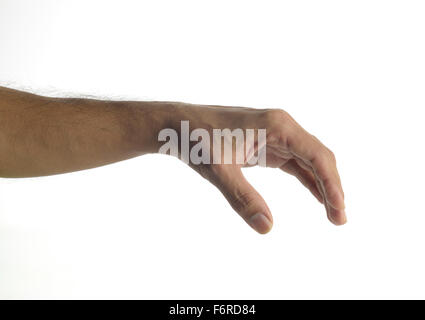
243,198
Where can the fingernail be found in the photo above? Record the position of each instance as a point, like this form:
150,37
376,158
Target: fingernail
344,217
338,218
260,223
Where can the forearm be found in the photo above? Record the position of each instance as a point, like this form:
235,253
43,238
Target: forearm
44,136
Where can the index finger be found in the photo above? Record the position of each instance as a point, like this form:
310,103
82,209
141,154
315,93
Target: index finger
311,151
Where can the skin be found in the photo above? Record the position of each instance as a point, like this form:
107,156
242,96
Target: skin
42,136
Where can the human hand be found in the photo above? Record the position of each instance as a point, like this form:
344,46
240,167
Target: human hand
287,146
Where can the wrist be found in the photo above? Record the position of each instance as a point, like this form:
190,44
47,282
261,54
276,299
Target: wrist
150,118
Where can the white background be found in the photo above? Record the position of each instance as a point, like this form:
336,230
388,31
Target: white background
351,72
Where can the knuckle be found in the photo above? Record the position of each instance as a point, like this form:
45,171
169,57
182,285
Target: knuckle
332,155
242,200
277,116
321,156
278,120
326,152
329,154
